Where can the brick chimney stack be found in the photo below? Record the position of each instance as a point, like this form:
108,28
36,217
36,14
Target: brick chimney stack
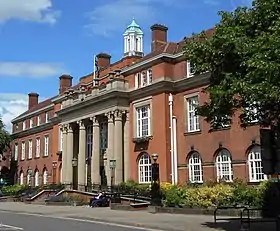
103,60
65,82
159,36
33,99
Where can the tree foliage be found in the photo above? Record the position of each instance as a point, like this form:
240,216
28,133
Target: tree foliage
5,138
243,58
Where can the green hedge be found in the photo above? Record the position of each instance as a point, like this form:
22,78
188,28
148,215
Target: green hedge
16,190
210,194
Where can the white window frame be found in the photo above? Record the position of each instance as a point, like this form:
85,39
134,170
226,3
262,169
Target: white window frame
139,121
144,169
28,179
23,125
47,117
136,80
31,122
193,123
189,73
30,147
36,178
38,147
23,150
16,152
21,178
255,165
223,161
149,76
38,120
46,145
144,81
45,177
195,168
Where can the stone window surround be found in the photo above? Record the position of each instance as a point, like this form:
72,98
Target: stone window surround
29,156
252,164
22,154
37,155
16,152
138,78
186,97
192,164
141,103
46,135
189,74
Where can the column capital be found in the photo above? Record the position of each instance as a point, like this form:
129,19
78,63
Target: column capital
126,116
95,121
110,116
69,128
81,124
118,114
64,128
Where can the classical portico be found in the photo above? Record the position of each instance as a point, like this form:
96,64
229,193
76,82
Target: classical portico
95,131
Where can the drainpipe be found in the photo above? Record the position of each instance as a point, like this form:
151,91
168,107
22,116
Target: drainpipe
175,150
170,100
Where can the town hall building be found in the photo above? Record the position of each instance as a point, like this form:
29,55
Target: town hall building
104,129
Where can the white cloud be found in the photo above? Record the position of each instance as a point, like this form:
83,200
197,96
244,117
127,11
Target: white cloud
28,10
12,105
29,69
110,17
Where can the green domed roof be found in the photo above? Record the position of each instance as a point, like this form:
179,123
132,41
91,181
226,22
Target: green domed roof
133,28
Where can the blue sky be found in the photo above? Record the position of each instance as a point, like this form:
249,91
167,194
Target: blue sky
42,39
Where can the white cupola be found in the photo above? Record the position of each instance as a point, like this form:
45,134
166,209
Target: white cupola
133,40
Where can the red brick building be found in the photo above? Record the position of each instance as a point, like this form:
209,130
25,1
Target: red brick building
105,128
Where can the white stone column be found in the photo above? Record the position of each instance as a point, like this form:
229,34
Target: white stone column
70,151
126,141
118,146
82,156
64,155
110,148
95,159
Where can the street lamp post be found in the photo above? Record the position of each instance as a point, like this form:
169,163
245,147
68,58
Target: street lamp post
74,164
112,167
155,187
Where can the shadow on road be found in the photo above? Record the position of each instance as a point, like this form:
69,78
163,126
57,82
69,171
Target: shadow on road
235,225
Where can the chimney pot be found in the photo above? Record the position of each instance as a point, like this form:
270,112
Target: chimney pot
33,99
103,60
159,36
65,81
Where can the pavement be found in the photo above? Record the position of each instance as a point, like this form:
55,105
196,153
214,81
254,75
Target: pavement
33,217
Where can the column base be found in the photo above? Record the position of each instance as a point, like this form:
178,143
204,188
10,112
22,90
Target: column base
82,188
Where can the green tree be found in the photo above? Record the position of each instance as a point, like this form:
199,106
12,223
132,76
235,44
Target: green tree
243,59
5,138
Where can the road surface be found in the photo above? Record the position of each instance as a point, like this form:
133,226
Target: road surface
25,222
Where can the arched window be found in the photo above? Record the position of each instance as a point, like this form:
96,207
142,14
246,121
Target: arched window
255,165
36,178
223,164
21,178
45,176
195,168
145,169
28,179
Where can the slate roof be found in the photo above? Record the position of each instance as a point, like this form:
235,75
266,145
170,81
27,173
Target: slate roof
40,105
